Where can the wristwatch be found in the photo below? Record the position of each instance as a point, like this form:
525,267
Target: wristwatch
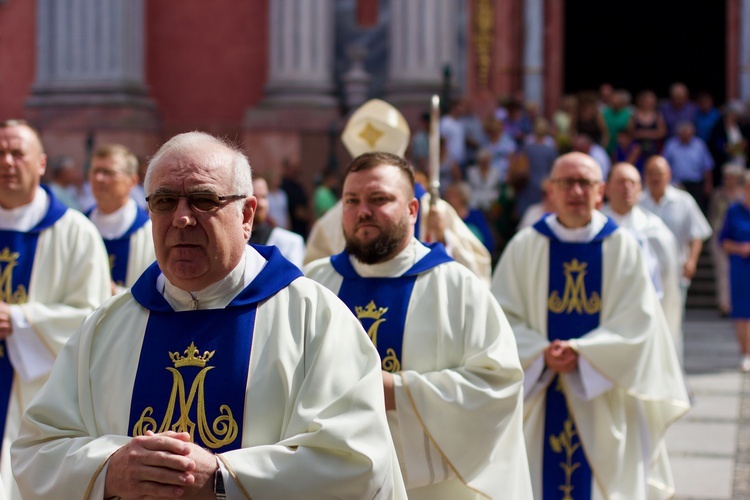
219,491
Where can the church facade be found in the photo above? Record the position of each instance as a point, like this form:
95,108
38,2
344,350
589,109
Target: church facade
279,76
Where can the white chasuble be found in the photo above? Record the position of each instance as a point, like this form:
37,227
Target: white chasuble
628,388
458,417
311,423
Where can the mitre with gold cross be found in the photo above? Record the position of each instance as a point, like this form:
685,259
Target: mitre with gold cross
376,126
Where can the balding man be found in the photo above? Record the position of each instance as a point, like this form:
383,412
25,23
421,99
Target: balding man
660,247
222,373
680,213
602,380
54,273
123,224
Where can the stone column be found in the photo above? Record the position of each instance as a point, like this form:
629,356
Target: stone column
423,39
89,52
533,52
744,62
301,53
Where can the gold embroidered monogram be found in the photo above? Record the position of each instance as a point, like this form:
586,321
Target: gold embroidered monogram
390,362
9,260
224,429
574,295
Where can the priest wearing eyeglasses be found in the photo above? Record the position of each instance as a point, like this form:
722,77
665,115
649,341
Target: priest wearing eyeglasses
602,382
222,373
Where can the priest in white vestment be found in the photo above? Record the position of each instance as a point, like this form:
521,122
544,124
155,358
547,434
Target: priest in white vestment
602,380
451,374
659,245
123,224
54,272
222,373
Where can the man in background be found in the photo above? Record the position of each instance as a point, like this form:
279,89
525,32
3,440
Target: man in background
54,271
125,226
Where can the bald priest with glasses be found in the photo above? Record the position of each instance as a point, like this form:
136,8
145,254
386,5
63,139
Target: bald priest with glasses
602,382
222,373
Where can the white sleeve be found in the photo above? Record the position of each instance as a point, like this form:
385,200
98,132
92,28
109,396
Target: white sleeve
29,356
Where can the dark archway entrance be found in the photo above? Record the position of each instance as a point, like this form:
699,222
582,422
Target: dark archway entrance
637,44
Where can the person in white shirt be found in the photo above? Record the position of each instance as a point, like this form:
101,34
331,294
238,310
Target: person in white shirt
680,212
54,271
125,226
285,397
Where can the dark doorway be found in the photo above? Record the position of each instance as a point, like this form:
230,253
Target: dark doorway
638,44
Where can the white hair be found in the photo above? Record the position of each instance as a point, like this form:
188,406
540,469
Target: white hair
194,143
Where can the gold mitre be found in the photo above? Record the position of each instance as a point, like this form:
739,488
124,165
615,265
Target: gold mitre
376,126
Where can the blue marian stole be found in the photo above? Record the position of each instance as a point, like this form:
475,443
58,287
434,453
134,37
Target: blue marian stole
193,369
119,249
16,262
381,304
573,307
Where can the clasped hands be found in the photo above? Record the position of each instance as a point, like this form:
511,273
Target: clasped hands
164,465
560,357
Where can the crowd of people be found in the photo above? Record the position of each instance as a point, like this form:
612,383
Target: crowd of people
203,332
496,163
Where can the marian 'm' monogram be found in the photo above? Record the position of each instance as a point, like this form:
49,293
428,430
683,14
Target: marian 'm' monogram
574,296
225,426
390,362
9,260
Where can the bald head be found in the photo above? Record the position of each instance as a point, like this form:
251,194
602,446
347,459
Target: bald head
658,175
576,188
580,160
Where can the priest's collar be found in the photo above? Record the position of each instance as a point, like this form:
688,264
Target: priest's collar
114,225
579,234
396,266
25,217
217,295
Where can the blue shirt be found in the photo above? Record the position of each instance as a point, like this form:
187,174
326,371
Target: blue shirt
705,121
689,161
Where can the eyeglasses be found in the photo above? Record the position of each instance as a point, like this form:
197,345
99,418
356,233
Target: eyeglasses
164,203
568,183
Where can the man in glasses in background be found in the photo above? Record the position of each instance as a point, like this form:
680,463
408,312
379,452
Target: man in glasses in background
222,373
602,380
124,226
54,272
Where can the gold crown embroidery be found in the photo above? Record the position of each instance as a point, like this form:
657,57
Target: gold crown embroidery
371,311
190,358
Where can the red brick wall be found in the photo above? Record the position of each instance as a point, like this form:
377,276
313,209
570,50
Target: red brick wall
17,56
206,62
